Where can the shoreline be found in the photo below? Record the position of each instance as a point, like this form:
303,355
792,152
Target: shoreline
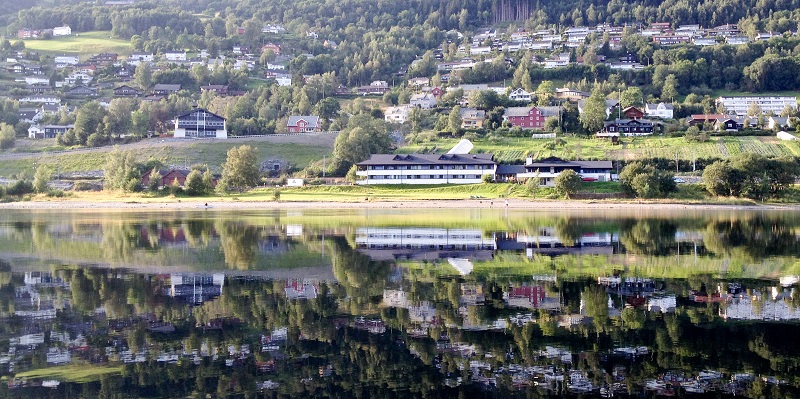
497,204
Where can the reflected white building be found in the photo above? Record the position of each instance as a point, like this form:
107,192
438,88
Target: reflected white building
761,307
196,288
421,243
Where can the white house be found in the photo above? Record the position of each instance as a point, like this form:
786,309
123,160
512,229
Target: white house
62,31
41,99
37,80
65,60
423,100
139,57
660,110
548,169
283,79
175,56
77,78
519,94
397,114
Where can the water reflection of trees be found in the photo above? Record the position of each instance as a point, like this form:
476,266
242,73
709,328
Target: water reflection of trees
648,236
752,238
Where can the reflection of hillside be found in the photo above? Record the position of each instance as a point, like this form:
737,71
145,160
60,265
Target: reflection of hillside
423,243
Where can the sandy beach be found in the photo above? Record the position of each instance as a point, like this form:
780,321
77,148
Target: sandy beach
184,204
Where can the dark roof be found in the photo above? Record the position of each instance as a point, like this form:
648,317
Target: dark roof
429,159
558,162
201,110
168,87
509,169
629,122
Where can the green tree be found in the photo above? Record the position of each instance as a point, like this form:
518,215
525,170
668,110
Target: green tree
88,121
631,97
240,170
120,171
645,181
41,178
545,92
194,183
143,76
454,120
155,180
670,89
7,136
594,111
208,180
568,182
754,110
551,124
721,179
363,136
328,108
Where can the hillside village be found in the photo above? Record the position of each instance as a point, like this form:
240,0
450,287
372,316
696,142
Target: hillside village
509,81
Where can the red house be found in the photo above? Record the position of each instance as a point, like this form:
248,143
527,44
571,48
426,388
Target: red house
167,177
529,117
303,124
633,113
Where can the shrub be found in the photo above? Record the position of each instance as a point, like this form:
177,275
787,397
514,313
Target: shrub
21,187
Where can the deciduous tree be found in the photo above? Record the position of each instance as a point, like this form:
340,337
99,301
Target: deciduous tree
568,182
240,170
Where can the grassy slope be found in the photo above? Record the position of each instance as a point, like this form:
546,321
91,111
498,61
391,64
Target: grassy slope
213,154
83,43
515,149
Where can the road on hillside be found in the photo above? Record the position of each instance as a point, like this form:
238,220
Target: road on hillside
317,139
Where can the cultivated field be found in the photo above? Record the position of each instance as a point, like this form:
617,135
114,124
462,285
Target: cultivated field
516,149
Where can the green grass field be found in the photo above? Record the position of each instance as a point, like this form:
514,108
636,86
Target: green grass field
80,373
82,43
212,154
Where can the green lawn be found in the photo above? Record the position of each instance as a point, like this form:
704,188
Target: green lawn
80,373
82,43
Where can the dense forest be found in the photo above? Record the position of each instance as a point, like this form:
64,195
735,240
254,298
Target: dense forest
332,16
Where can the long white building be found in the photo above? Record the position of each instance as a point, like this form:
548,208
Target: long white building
739,105
548,169
425,168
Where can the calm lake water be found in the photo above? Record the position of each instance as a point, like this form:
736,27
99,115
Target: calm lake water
399,304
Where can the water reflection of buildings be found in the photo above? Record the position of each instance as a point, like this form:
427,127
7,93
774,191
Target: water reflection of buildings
758,306
300,289
548,242
531,297
424,243
422,312
195,288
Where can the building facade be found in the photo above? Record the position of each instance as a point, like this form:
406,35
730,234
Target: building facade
200,123
740,105
303,124
425,169
548,169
